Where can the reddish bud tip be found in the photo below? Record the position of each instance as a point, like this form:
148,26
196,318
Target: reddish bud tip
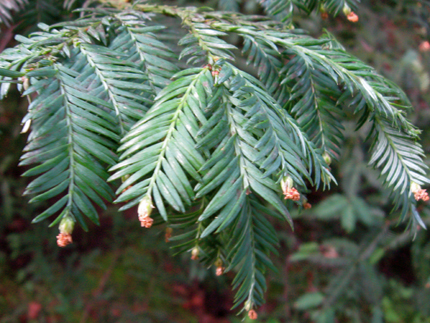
421,195
424,46
64,239
220,271
292,194
146,222
307,206
144,211
352,17
195,253
252,315
168,234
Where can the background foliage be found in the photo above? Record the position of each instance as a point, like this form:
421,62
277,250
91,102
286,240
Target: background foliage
348,260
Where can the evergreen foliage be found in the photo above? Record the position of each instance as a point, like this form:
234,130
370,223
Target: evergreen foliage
283,10
209,146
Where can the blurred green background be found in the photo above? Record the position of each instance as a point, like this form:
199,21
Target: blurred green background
349,259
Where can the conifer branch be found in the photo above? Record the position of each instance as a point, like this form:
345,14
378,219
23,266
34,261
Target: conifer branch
209,146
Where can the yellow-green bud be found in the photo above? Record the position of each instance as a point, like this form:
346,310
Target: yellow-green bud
327,158
25,83
218,262
328,177
287,183
145,207
248,305
66,228
195,253
415,187
66,225
346,10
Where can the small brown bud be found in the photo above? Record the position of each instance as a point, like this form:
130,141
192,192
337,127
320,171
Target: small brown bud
34,309
168,234
329,252
219,267
324,15
252,315
126,189
307,206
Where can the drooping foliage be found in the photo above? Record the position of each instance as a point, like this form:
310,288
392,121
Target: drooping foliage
284,10
191,137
